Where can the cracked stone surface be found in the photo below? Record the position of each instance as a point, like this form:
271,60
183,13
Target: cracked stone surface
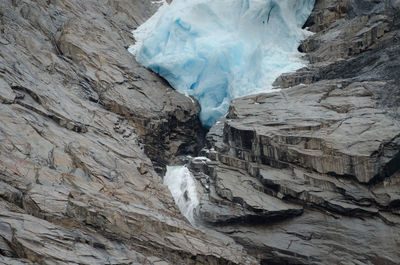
306,175
84,132
310,174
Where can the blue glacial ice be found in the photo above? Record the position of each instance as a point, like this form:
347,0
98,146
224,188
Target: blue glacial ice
217,50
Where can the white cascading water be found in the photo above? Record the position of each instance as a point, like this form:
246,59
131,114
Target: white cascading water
217,50
183,189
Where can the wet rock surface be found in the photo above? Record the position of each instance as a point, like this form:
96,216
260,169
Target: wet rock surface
83,132
311,174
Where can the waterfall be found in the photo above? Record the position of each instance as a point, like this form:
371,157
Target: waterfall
183,189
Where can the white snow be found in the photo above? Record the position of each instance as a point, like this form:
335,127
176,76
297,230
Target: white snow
217,50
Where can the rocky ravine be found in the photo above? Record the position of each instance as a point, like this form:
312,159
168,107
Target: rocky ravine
307,175
83,130
311,174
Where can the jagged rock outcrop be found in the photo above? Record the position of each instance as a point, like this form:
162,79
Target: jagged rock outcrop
83,130
311,174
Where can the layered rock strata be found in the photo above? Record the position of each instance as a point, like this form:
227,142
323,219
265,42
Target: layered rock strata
311,174
307,175
83,132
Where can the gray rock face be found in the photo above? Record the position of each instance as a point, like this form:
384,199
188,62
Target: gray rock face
306,175
310,174
83,130
328,127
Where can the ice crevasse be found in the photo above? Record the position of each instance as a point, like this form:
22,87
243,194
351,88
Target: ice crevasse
217,50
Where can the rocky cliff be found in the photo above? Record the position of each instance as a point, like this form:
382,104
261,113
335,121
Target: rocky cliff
306,175
83,130
311,174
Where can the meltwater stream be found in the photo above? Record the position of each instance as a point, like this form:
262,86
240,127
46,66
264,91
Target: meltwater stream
217,50
183,189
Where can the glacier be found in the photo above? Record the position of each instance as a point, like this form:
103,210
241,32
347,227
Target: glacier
217,50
